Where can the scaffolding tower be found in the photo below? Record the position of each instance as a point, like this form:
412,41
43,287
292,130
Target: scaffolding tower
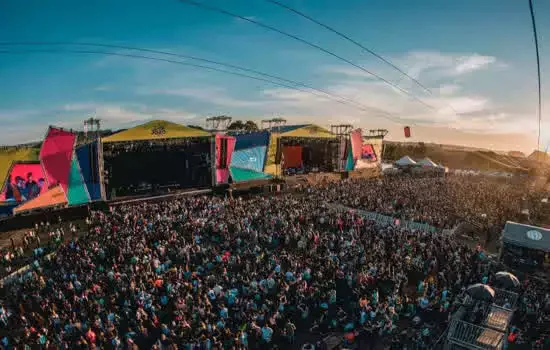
218,123
343,135
89,125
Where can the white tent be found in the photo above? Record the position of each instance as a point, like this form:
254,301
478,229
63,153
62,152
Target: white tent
427,162
405,161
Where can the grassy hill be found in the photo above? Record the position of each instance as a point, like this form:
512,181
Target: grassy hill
454,157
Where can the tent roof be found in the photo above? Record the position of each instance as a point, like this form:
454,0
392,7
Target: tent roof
406,160
526,236
155,130
52,197
427,162
306,131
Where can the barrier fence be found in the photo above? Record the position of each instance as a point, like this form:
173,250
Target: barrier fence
384,220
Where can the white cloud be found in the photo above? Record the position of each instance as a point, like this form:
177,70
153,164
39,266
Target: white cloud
420,63
215,96
448,89
472,63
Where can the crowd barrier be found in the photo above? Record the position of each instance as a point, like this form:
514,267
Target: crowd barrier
384,220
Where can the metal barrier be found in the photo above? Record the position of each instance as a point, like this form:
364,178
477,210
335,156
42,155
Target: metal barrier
384,220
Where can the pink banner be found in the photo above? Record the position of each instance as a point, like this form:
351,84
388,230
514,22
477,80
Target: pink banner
224,151
56,156
356,143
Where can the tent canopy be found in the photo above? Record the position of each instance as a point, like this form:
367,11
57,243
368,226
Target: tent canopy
427,162
526,236
406,160
155,130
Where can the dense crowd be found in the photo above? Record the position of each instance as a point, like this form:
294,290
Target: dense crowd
442,202
266,272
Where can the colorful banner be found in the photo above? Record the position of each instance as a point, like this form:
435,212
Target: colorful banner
250,140
52,197
25,181
292,157
368,158
356,143
350,164
250,158
224,151
88,160
56,156
77,194
367,152
241,175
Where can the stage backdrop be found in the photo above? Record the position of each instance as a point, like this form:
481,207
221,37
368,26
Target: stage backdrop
77,193
356,143
88,160
56,156
224,150
368,158
292,157
53,197
248,159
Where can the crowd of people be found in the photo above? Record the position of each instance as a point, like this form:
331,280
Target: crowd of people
264,272
442,202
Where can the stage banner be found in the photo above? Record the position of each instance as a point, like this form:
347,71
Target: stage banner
88,160
368,158
25,181
368,153
77,193
251,140
356,143
56,156
249,158
350,164
224,151
242,175
53,197
292,157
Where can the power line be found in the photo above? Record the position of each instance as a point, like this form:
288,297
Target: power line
133,48
356,43
538,67
367,109
292,36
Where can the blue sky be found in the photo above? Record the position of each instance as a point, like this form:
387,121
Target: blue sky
476,56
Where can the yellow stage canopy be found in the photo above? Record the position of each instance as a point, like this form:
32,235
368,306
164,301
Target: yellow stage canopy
155,130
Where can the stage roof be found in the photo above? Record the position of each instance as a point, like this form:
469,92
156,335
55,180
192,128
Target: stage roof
526,236
155,130
53,197
303,131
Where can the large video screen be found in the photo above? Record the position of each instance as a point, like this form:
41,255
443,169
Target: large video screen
25,181
151,168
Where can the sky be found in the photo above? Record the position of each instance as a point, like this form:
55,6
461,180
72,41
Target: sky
476,58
